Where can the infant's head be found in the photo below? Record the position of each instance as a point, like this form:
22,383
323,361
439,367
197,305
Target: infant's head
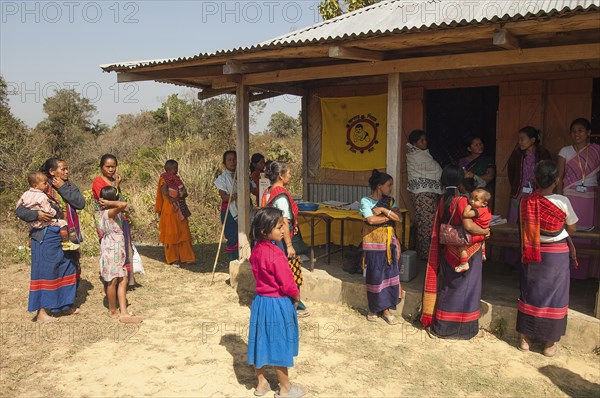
480,198
38,180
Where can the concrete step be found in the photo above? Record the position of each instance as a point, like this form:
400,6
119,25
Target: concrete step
331,285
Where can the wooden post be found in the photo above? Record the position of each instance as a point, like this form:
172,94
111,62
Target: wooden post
394,161
242,126
304,110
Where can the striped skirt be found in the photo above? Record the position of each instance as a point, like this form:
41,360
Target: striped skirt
53,275
457,313
382,279
544,301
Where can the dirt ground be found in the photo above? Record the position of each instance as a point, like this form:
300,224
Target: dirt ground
193,343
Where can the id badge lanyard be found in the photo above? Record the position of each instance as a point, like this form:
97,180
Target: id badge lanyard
528,189
582,187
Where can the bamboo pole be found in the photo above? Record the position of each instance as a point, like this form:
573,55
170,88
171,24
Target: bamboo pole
223,229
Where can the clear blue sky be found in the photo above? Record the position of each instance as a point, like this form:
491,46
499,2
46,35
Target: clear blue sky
60,44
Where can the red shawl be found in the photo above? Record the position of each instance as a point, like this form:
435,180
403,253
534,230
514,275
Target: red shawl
173,180
430,287
538,215
277,191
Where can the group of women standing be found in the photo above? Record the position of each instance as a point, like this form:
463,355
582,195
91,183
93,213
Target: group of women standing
547,200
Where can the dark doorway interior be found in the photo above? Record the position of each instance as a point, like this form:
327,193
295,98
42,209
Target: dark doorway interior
454,114
596,112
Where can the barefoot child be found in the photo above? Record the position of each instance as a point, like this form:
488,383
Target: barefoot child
481,215
37,199
273,336
112,255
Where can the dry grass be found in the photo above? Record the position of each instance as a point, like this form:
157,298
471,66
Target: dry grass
193,342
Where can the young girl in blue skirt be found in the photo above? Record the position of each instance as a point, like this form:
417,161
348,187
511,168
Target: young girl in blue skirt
273,336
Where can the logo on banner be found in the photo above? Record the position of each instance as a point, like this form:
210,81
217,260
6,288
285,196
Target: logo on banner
361,133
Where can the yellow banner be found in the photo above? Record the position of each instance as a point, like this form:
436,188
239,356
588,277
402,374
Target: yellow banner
354,133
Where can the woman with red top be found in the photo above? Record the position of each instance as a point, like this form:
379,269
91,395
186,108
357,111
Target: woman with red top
546,221
452,311
273,335
109,177
277,196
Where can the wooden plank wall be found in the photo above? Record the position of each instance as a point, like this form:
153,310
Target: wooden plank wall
547,102
520,105
412,119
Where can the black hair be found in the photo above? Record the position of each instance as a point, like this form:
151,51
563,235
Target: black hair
452,176
415,136
582,122
106,157
378,178
264,221
109,193
275,169
170,164
254,159
469,184
50,164
531,132
470,138
546,173
228,153
35,176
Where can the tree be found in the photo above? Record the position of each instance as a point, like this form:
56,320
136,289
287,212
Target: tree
19,151
69,120
332,8
282,125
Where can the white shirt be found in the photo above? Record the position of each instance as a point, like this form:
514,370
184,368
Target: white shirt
563,203
568,153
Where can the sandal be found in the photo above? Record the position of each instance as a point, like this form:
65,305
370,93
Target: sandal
524,343
550,351
130,319
262,393
371,317
302,313
296,391
390,319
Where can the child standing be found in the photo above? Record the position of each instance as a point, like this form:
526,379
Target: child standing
112,255
273,336
37,199
478,210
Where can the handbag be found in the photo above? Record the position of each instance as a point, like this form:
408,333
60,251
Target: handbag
296,266
454,235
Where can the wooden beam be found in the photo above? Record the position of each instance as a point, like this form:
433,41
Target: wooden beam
532,56
232,67
394,130
355,53
242,126
282,89
175,73
210,92
263,96
504,39
229,81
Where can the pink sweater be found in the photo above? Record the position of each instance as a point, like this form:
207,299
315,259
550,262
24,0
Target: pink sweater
271,270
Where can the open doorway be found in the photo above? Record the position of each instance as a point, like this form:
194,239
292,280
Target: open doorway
455,114
452,115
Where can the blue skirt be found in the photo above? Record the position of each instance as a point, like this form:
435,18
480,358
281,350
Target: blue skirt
53,275
273,336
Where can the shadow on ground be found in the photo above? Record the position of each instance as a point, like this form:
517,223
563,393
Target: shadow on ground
238,349
569,382
205,257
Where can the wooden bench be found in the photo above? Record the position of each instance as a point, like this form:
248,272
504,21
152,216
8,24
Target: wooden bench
507,235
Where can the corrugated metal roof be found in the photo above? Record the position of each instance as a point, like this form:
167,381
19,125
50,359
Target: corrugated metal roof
396,16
